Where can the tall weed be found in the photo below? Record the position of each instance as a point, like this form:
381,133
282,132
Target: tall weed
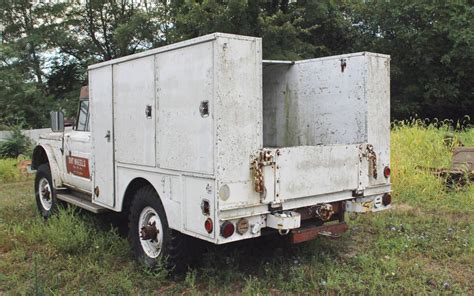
417,149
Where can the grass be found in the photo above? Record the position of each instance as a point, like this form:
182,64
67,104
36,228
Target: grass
424,245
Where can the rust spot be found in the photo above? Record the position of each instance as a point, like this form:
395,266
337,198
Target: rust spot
149,232
311,232
23,165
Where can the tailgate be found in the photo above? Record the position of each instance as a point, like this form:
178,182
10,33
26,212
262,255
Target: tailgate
314,170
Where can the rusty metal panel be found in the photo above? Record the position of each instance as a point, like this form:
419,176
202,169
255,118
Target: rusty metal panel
311,232
133,94
184,80
463,158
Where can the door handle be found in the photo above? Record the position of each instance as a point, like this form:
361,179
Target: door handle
148,111
107,136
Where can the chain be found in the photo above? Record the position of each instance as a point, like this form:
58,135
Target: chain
372,157
257,176
261,158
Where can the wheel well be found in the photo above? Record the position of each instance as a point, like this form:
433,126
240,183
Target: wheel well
132,188
39,157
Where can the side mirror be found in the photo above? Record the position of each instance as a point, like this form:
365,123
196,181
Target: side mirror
57,121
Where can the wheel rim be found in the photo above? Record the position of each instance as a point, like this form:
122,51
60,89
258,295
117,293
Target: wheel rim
151,232
44,191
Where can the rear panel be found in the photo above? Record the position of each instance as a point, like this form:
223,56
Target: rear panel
314,170
378,113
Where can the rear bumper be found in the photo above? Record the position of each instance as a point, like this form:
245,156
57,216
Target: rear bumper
310,232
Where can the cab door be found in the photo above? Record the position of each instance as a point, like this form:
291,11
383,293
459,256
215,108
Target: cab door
77,151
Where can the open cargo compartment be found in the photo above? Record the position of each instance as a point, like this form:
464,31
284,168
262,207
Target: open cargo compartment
323,131
326,126
320,119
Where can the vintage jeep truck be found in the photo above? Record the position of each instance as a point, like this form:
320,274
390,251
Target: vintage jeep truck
204,139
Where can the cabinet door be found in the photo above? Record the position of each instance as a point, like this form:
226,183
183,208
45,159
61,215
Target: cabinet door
186,111
134,112
101,100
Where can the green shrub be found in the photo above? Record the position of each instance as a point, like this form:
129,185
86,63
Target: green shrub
17,144
9,171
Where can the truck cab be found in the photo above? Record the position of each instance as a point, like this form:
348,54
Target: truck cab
205,140
66,154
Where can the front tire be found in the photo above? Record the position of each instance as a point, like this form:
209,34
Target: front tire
45,194
150,237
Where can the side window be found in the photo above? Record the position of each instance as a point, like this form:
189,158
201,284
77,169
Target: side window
83,116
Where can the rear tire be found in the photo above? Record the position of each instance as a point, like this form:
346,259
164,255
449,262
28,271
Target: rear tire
150,246
45,194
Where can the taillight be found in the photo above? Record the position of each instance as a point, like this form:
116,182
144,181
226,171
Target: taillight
386,199
386,172
227,229
242,226
208,225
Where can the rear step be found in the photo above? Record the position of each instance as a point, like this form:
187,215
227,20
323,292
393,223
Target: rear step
80,202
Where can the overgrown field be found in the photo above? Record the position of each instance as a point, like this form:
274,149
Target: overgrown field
425,244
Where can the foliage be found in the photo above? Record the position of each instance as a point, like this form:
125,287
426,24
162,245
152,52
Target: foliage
424,245
9,171
432,53
17,144
289,30
45,48
415,148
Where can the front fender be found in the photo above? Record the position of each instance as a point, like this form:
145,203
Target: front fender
44,153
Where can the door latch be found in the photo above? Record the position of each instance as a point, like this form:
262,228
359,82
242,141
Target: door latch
148,111
107,136
204,109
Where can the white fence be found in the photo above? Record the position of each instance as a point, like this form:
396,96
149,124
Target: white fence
33,134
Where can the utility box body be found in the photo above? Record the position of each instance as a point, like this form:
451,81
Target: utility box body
225,136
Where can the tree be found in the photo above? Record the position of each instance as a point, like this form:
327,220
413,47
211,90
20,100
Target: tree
278,23
46,49
23,94
432,53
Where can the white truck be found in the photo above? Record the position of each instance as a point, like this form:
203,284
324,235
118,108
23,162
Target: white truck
204,139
